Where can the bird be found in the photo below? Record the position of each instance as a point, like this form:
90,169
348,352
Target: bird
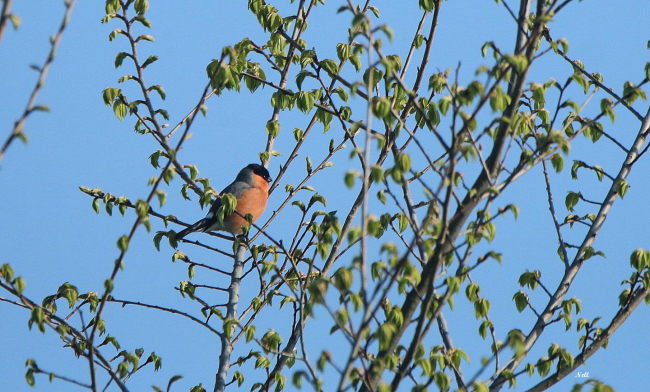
251,189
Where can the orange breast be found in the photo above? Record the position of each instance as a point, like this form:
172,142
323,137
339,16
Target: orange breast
253,202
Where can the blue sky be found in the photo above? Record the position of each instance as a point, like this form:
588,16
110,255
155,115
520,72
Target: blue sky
50,235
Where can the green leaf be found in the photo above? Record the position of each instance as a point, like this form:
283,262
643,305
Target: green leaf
581,81
472,291
68,292
193,171
558,162
631,92
163,113
112,6
145,22
499,100
349,178
343,51
144,37
282,101
15,21
623,297
519,62
325,118
453,283
417,41
521,300
426,5
141,6
162,196
356,62
149,60
301,77
297,134
29,377
273,128
142,208
123,243
114,34
480,387
514,209
156,240
530,279
343,95
403,222
38,317
19,284
572,199
343,279
621,187
481,307
330,66
262,363
119,108
387,31
567,358
565,45
385,333
119,58
109,95
403,162
271,340
376,74
125,78
544,366
639,259
381,107
426,366
437,82
305,101
157,88
442,380
433,114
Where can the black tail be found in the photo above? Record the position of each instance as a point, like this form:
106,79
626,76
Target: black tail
198,226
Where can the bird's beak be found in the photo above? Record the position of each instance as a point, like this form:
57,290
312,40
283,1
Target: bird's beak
269,180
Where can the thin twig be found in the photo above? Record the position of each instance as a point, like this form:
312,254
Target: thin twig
30,108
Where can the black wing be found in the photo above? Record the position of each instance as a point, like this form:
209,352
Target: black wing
205,223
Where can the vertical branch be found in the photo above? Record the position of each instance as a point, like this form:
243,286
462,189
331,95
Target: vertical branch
285,70
453,223
551,207
231,314
366,172
158,129
20,123
449,345
363,268
427,48
6,9
522,38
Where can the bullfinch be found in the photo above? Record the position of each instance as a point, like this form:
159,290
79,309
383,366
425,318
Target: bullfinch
251,189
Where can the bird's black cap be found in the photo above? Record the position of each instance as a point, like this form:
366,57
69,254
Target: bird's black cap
260,171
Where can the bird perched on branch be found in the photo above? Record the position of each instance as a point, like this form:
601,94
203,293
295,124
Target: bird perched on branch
251,189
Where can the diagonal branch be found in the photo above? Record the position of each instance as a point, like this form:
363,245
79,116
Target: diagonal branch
578,260
17,131
618,320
